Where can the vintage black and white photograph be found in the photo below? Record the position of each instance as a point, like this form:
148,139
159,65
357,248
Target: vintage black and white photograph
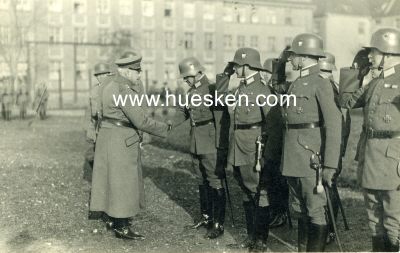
199,126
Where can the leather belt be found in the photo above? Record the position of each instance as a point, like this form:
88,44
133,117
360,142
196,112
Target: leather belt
118,123
201,123
380,134
247,126
304,125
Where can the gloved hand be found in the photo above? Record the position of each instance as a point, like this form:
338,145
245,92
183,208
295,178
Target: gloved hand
146,140
284,56
328,175
361,62
229,70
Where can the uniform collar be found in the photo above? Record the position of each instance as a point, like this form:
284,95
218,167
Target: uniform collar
252,78
309,70
326,75
390,71
203,80
199,82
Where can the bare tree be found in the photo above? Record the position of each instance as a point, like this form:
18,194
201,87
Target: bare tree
21,19
123,40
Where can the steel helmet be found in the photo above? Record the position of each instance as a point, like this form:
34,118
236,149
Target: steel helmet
101,68
327,63
308,44
268,65
190,67
248,56
386,40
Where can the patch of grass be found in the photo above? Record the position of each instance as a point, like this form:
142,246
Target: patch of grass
43,199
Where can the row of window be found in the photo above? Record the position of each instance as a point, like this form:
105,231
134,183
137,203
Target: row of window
232,13
148,39
7,36
82,70
188,41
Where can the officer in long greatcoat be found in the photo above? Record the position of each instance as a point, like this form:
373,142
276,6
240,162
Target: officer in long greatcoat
117,186
203,147
379,146
314,122
248,121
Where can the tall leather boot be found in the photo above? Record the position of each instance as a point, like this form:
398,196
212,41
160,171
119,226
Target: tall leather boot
262,229
205,194
219,204
316,237
390,246
302,234
378,244
249,211
123,231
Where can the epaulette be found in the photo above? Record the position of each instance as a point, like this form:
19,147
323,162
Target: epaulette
125,84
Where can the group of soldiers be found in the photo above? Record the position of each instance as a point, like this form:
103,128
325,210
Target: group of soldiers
273,150
22,98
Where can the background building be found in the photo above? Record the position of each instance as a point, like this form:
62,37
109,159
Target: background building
345,27
67,37
59,41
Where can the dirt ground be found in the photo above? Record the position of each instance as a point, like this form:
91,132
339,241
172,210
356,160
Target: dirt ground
44,200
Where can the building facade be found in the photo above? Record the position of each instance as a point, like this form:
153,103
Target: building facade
68,37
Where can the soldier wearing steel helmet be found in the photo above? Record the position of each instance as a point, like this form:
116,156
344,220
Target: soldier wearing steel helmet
22,100
117,185
103,74
7,101
203,148
278,191
314,122
248,121
379,145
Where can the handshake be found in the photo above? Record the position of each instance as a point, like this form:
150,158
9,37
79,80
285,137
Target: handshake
146,138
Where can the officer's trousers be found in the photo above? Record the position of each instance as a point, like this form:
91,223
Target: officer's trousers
383,209
306,202
206,169
249,181
278,191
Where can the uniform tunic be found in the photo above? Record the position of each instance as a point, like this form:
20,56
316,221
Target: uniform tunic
242,146
379,157
314,104
202,133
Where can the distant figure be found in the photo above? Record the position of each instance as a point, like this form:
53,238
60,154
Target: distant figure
7,101
22,101
40,102
164,98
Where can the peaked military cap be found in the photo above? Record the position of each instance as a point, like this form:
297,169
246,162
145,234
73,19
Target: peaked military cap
129,60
